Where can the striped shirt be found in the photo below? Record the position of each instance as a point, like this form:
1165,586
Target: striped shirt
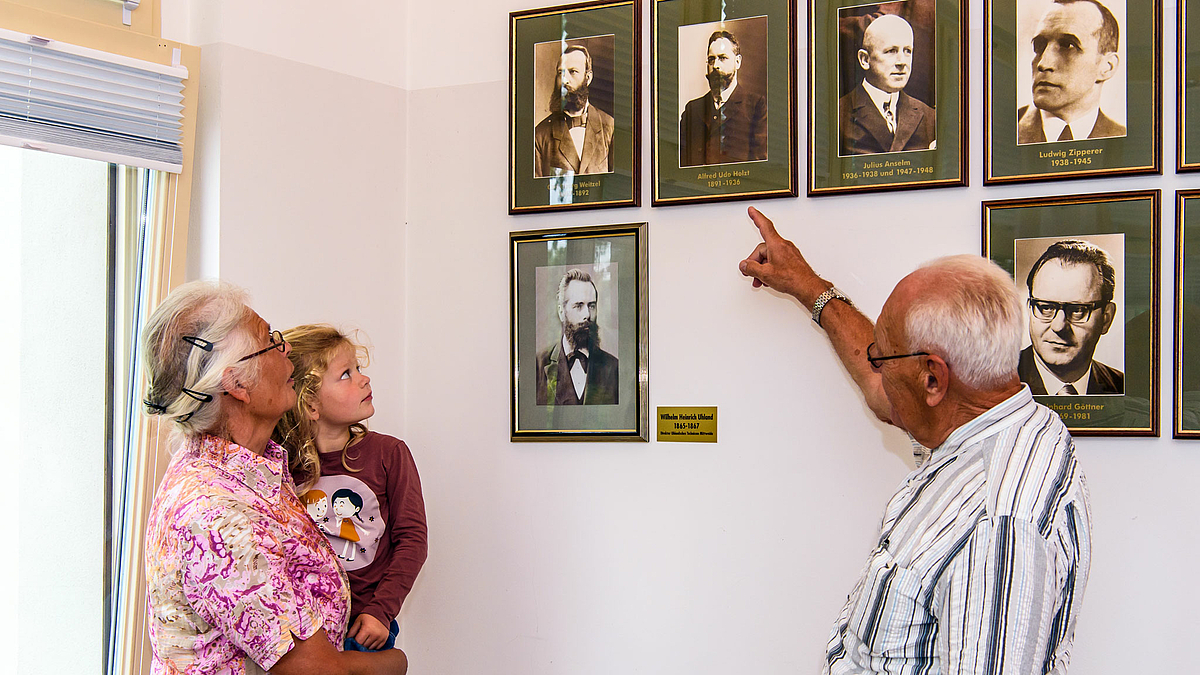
982,558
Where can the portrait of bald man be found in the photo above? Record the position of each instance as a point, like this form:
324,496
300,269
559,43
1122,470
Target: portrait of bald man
1074,52
878,115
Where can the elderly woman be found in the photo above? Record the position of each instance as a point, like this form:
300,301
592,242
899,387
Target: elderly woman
239,579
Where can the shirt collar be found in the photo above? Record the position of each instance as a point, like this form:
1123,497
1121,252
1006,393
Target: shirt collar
878,96
1053,383
987,423
1081,127
261,473
726,93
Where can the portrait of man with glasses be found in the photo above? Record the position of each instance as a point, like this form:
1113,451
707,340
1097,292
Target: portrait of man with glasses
1072,286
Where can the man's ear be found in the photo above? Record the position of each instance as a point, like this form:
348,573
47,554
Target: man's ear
233,387
935,379
864,59
1109,63
1110,313
588,78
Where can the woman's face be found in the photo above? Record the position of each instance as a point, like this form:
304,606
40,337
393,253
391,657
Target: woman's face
273,395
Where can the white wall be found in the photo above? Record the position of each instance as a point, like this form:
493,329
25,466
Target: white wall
576,559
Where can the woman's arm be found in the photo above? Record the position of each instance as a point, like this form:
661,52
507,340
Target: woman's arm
317,656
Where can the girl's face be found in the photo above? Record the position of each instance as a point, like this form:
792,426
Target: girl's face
343,507
345,394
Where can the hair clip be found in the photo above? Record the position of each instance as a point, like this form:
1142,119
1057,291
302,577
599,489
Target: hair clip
184,418
197,395
198,342
155,409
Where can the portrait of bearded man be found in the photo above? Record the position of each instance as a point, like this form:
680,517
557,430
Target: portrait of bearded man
576,137
574,370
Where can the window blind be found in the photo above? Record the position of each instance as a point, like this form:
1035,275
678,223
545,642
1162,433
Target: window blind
82,102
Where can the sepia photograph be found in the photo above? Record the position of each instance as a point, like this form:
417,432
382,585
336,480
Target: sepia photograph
1072,288
723,65
573,102
577,319
888,79
1074,87
1086,267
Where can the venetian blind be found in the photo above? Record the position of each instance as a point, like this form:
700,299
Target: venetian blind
77,101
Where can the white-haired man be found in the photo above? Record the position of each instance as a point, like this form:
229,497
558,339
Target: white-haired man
984,551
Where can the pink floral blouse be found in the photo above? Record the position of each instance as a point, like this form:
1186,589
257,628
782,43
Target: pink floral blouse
234,564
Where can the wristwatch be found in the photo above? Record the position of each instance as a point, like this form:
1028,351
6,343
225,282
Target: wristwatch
824,298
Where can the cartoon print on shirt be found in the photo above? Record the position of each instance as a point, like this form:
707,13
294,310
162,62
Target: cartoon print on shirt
315,502
350,518
346,505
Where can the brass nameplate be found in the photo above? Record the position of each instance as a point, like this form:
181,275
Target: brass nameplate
691,424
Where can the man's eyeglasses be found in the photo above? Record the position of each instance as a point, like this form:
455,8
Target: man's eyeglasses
877,361
277,342
1073,312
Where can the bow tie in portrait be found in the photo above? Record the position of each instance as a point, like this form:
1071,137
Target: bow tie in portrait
577,356
576,121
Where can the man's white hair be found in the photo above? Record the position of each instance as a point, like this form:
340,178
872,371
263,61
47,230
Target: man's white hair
974,320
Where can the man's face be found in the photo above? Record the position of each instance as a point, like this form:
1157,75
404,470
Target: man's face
578,313
887,53
1067,347
723,64
573,79
1068,66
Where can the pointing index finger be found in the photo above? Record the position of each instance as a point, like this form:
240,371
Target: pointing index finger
765,227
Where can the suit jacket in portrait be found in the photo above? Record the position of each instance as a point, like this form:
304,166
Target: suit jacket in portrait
1029,126
554,384
864,131
735,133
554,152
1103,380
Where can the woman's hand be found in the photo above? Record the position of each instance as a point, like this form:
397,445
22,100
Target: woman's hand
369,632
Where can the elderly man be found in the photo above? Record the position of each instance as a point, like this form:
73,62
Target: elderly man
1071,305
1074,54
574,370
877,116
984,550
729,123
576,137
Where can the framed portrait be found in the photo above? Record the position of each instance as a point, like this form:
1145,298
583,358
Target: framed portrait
1087,269
575,107
1187,118
724,100
1187,314
887,95
1073,90
579,334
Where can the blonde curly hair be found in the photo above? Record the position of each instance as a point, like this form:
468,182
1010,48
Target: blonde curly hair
313,347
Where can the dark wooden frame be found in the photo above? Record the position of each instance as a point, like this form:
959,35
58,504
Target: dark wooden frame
725,183
880,172
524,346
1182,197
622,187
1143,74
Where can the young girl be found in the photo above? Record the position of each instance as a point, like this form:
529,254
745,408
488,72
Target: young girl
378,514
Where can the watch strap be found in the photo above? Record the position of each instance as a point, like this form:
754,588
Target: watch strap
823,299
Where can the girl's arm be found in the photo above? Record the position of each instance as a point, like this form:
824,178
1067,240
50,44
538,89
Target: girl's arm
408,532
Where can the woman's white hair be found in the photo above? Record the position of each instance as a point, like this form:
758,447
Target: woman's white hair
188,342
974,321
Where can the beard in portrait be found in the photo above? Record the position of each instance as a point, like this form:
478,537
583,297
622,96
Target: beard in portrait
1076,85
1071,289
575,370
575,138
